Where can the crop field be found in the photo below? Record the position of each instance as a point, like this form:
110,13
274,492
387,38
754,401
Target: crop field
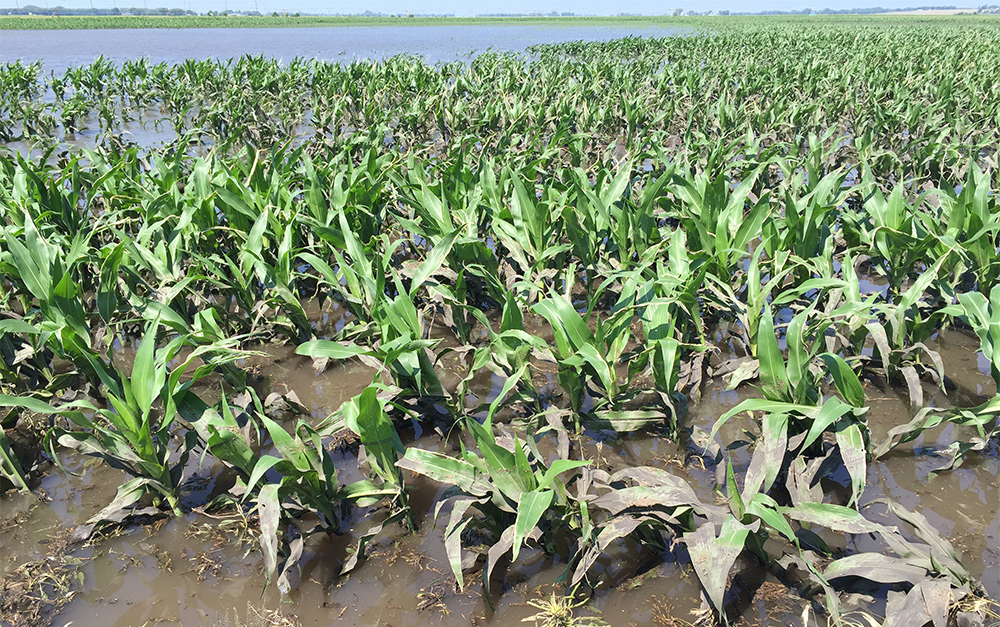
702,330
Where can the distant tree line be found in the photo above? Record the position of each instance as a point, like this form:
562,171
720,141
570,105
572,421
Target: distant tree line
861,11
31,9
380,14
539,14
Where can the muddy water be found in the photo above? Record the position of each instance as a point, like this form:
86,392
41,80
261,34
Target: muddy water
197,570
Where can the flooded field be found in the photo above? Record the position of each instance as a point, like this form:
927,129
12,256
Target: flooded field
204,569
59,50
666,332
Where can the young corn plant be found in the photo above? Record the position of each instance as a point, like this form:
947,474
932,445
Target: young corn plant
303,479
968,222
795,413
399,347
508,492
135,431
48,273
529,228
10,466
891,230
586,357
983,420
720,222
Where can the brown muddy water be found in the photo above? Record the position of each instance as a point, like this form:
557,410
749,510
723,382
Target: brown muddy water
205,570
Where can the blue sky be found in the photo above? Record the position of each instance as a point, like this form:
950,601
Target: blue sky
474,7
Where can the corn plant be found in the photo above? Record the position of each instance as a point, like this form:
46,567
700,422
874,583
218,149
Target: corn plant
308,482
795,414
509,493
134,432
10,467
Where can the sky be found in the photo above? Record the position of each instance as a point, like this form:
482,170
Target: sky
476,7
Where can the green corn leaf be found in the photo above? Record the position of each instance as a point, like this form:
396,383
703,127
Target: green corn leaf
147,379
525,476
500,462
768,406
18,326
530,509
31,261
831,411
254,243
10,467
571,332
107,298
508,385
289,447
265,463
765,508
845,379
774,381
558,467
798,353
736,505
379,437
984,317
434,260
29,403
331,350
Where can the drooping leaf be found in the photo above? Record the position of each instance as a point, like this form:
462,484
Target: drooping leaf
330,350
853,452
713,556
269,514
445,469
768,456
619,527
835,517
876,567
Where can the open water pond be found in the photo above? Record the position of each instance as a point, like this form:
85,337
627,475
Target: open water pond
60,49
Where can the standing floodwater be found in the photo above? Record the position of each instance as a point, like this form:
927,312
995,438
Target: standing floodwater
63,48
